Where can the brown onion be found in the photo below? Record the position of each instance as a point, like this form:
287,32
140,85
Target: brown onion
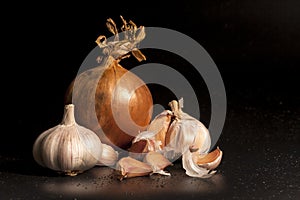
107,98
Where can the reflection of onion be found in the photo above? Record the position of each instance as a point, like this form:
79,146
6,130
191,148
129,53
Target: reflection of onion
98,85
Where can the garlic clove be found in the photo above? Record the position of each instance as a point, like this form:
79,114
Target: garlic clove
109,156
157,162
192,169
160,125
129,167
209,161
176,141
202,140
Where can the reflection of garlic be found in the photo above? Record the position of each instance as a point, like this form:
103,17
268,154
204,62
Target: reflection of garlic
67,147
109,156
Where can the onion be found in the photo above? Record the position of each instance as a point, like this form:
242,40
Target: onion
110,96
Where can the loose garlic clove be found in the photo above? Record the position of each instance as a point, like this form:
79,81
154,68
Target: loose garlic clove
129,167
157,162
68,147
192,169
109,156
209,161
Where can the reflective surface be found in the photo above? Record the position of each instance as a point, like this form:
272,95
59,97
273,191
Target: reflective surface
257,172
256,165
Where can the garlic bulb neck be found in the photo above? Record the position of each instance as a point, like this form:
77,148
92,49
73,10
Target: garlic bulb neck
176,109
68,117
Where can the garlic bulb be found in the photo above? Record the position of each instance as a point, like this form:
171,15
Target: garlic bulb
68,147
188,137
175,133
109,156
186,133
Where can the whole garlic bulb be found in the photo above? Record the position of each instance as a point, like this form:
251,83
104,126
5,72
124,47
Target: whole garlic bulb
68,147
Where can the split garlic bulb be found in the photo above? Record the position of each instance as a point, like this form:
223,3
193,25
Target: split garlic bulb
174,134
186,133
68,147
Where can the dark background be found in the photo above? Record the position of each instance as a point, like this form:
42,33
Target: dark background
255,44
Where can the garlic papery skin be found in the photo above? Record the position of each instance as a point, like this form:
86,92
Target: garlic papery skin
192,169
67,147
109,156
209,161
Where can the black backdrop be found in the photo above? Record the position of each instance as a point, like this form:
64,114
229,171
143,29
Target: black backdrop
255,45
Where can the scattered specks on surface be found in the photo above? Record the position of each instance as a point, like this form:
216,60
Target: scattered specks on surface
258,172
